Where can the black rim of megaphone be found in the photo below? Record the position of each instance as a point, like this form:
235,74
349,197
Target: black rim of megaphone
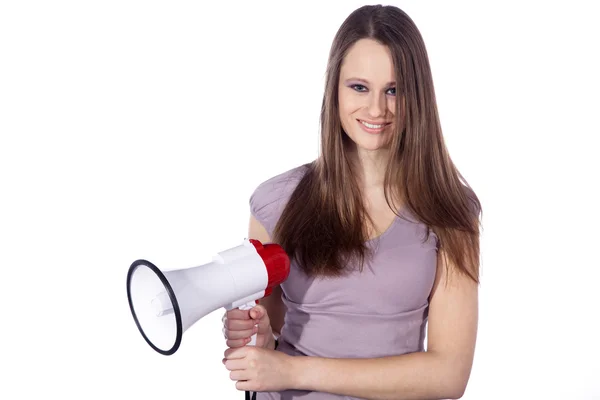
176,311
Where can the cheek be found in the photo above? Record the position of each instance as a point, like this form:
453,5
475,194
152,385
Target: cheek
347,107
343,108
348,102
391,105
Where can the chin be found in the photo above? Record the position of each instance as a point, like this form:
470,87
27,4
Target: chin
368,142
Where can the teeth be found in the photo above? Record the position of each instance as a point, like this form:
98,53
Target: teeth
371,125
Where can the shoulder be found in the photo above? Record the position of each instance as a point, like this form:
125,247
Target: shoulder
473,203
270,196
281,181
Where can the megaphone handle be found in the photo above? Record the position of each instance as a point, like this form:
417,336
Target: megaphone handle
249,306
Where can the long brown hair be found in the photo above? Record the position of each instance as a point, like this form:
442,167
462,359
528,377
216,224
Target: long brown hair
323,224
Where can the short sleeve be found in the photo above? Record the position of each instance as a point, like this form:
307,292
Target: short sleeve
262,204
269,198
474,204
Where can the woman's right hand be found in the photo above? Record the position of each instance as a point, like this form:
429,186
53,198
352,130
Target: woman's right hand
239,326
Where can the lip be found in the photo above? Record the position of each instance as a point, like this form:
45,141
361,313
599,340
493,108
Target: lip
374,122
372,130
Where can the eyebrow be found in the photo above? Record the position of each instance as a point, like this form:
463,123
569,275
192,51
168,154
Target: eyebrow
366,81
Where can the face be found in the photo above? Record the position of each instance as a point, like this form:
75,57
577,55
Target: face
367,95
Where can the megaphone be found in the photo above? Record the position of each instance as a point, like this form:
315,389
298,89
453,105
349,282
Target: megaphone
164,304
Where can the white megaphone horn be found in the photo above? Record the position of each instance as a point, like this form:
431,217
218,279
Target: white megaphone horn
165,304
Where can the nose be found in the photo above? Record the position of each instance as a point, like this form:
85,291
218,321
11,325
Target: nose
377,105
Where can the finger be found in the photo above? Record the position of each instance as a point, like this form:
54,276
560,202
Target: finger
239,325
229,334
236,343
245,385
232,354
240,375
236,313
240,334
234,365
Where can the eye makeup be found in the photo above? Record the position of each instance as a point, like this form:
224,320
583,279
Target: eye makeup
360,85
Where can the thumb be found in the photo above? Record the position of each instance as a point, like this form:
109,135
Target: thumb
257,312
264,332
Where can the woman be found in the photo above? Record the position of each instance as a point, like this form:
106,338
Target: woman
383,236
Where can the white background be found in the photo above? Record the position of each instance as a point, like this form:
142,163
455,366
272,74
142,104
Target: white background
138,129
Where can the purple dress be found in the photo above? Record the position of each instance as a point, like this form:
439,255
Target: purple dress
379,312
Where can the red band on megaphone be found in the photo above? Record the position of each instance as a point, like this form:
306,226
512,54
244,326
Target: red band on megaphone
276,262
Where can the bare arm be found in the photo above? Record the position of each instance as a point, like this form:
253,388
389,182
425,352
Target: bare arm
439,373
273,303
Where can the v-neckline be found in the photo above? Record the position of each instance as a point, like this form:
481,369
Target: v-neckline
386,231
390,227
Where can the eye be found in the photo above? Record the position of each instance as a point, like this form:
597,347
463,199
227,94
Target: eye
393,91
358,87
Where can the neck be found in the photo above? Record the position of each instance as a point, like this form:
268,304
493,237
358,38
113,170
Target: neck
370,165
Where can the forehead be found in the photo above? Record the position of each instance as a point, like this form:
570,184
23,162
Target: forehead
370,60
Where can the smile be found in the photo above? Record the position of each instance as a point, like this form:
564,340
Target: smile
373,128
